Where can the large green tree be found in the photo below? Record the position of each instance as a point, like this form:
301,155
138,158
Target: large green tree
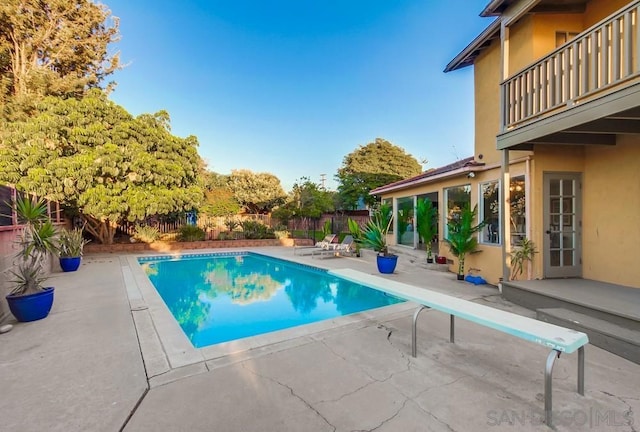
371,166
256,192
218,196
93,155
53,47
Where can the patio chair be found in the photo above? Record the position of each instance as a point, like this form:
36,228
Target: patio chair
323,244
344,248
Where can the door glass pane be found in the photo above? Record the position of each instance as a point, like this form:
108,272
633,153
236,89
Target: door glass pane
404,221
567,187
456,198
555,258
567,241
490,212
554,187
567,257
567,205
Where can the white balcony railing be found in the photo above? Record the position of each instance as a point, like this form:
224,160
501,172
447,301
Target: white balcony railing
599,58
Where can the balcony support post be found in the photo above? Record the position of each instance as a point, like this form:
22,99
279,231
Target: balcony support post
505,226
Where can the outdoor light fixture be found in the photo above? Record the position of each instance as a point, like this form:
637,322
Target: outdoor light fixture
471,175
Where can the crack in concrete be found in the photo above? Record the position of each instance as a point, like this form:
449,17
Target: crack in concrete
629,412
447,384
347,394
390,418
291,391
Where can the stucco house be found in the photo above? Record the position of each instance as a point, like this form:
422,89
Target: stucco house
557,142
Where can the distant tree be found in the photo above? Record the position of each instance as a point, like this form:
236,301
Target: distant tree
219,201
256,192
53,47
309,200
373,165
218,196
93,155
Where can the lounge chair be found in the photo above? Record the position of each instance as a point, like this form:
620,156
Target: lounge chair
323,244
346,247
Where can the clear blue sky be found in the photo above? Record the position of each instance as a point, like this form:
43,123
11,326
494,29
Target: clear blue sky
292,86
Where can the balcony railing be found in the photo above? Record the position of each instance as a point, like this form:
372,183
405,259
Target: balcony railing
602,57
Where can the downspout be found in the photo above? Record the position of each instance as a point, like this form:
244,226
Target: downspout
416,237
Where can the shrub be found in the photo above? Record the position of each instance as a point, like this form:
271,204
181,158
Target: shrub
256,230
146,233
281,234
231,223
190,233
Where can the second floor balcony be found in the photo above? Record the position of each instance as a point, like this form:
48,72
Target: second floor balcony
598,71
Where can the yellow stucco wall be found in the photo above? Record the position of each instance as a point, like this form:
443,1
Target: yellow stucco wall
611,222
487,103
545,28
597,10
521,44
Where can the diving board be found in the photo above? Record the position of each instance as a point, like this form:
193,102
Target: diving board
558,339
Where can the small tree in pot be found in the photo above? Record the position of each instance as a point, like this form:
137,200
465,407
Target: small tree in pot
462,235
427,218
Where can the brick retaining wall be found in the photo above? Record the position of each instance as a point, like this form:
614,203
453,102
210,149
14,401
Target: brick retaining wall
206,244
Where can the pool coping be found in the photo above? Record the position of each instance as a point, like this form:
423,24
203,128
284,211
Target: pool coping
167,352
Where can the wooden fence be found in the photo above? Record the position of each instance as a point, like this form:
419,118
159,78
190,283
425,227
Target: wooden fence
214,226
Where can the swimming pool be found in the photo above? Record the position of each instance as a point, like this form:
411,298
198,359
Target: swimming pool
223,297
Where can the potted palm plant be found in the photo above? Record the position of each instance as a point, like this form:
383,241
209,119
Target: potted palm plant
30,300
462,235
427,219
70,248
374,235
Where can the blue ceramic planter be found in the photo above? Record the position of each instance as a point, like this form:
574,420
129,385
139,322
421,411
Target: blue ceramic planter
387,264
31,307
70,264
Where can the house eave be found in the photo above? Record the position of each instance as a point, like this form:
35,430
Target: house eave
468,55
426,180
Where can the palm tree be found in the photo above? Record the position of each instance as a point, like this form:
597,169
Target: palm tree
427,218
462,238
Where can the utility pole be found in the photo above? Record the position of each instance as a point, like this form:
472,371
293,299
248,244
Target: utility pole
322,180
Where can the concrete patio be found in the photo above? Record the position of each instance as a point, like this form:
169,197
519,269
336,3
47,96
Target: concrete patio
106,360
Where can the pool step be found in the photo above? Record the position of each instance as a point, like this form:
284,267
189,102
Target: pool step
614,338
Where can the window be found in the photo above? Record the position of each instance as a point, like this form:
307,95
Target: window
389,202
405,221
456,198
490,212
8,217
6,212
518,200
562,37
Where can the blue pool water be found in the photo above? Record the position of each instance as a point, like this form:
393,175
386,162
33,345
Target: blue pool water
218,298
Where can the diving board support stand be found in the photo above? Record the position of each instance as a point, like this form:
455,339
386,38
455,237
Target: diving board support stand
548,382
548,371
414,331
558,339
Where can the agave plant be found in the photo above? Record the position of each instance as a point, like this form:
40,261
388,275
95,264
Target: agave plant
71,243
374,232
